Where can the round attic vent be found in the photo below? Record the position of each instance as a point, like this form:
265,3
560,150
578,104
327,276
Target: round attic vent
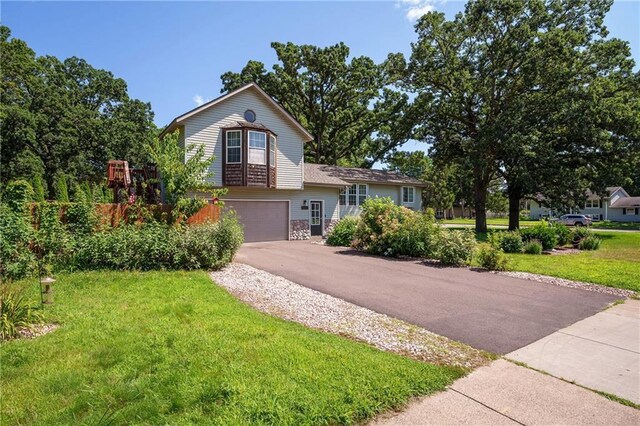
250,116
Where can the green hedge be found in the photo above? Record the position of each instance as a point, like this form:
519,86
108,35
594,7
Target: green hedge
157,246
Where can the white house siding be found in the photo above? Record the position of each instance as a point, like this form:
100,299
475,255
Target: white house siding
296,198
615,215
381,191
204,128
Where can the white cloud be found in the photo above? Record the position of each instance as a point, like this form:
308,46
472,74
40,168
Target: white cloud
199,100
416,8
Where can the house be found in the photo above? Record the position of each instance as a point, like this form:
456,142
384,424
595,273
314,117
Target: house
617,206
259,158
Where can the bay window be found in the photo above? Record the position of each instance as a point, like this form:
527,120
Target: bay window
272,151
257,147
234,146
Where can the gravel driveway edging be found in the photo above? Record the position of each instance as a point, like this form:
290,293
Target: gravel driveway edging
280,297
568,283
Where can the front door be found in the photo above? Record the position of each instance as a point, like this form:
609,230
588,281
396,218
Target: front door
316,218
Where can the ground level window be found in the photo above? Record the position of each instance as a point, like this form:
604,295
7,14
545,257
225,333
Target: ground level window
354,195
408,194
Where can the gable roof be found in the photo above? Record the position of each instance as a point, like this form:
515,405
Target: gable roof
176,121
343,176
610,190
626,202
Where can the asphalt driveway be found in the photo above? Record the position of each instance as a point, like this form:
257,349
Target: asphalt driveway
487,311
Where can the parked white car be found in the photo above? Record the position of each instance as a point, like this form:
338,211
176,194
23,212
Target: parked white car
575,220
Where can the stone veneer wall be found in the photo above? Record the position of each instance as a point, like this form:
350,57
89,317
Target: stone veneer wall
299,230
329,224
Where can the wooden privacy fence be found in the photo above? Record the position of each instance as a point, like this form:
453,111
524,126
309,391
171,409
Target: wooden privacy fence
114,214
117,213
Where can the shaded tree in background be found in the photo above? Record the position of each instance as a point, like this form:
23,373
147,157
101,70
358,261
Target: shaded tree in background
526,90
65,117
440,189
354,117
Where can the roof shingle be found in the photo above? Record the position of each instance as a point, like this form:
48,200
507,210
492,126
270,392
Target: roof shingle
344,176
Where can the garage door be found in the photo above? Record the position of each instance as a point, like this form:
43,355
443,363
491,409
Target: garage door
262,220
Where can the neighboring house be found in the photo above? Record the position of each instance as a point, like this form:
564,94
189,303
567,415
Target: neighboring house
259,157
617,206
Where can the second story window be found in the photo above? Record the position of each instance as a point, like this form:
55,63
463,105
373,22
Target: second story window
257,148
234,146
272,151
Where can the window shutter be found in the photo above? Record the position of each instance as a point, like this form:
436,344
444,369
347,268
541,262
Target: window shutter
624,211
637,211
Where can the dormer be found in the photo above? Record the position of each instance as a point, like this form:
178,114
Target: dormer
249,154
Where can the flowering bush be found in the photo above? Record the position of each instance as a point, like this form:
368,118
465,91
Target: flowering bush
344,232
391,230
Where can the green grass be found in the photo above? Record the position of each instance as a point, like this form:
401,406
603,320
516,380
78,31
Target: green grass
631,226
173,348
615,264
503,221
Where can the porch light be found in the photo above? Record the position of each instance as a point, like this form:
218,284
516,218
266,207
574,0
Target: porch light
46,285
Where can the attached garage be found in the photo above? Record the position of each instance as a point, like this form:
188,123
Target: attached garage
262,220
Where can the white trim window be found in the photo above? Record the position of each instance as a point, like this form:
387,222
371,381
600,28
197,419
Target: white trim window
592,204
408,194
272,151
354,195
234,146
257,147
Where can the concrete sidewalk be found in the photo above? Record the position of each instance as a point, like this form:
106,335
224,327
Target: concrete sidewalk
504,393
601,352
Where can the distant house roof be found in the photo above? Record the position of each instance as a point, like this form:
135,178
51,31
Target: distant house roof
610,189
342,176
626,202
176,121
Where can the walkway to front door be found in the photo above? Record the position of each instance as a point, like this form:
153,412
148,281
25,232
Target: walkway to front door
316,218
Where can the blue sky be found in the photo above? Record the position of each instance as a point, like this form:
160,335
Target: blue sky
173,53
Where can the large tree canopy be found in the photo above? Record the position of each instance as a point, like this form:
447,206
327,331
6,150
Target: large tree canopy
526,90
65,117
345,104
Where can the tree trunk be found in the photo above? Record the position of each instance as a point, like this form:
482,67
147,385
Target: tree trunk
514,210
480,198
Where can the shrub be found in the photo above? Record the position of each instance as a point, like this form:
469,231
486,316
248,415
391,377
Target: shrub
159,246
492,258
391,230
38,189
542,232
15,313
578,234
563,233
455,247
16,259
61,188
344,232
17,194
590,242
533,247
510,242
81,218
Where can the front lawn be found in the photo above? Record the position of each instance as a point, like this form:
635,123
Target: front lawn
615,264
503,221
492,221
173,348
